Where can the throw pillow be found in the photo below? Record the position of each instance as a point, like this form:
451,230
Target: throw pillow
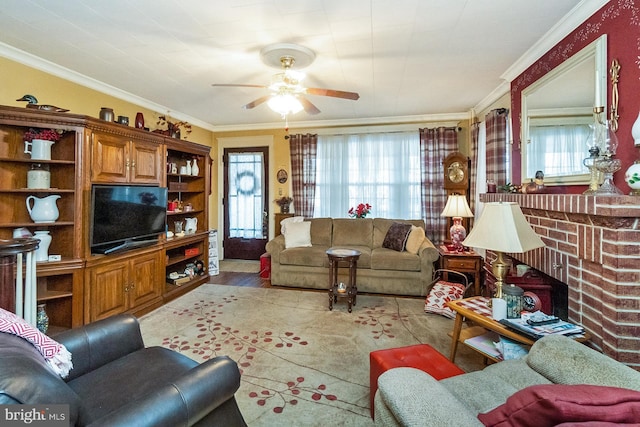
553,404
298,235
441,293
396,236
284,222
415,239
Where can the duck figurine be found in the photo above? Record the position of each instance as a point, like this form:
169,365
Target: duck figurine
32,102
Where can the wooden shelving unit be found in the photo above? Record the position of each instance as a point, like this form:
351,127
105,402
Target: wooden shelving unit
83,287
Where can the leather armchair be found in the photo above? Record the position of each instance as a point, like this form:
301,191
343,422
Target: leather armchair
116,381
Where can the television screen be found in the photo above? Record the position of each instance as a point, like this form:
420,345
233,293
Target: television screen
126,216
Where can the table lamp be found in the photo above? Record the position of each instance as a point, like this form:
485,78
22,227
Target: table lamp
502,228
457,208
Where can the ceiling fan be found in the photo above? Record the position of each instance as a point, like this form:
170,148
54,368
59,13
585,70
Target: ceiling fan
286,92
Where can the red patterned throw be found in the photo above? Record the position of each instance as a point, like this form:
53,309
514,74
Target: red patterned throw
441,293
56,355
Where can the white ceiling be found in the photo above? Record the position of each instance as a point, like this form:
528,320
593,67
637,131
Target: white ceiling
406,58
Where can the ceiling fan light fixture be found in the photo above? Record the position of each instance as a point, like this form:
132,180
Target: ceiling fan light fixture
285,104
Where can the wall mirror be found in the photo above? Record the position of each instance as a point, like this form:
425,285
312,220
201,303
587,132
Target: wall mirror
557,110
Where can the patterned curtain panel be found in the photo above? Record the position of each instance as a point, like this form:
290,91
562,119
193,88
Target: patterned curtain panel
303,151
435,145
497,146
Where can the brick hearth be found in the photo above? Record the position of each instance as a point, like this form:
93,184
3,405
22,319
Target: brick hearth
592,245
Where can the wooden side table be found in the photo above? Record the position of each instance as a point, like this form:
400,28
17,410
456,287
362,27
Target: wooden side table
349,256
462,262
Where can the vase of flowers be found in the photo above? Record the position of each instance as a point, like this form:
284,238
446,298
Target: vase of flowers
38,142
284,202
360,211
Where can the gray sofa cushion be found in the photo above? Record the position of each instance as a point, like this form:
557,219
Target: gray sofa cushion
565,361
350,232
315,256
388,259
321,230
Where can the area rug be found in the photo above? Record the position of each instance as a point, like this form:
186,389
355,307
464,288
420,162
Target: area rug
301,364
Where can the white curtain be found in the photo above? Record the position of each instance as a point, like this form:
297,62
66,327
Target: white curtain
481,170
382,169
557,150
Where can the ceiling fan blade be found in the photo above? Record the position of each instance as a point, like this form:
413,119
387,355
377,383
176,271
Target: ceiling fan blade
334,93
309,108
236,85
256,102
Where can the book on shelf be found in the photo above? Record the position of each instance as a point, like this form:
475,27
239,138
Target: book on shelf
497,347
536,332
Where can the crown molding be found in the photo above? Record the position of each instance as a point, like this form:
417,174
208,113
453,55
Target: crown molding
49,67
572,20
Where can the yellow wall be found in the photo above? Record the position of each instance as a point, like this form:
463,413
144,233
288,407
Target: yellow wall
18,80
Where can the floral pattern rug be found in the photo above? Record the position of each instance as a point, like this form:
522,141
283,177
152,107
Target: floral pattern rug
301,364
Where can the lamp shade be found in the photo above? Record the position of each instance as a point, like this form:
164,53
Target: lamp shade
457,206
285,104
502,227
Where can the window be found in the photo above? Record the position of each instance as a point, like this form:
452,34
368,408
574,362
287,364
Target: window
382,169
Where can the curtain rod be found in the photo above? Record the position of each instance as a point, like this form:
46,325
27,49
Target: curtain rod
376,129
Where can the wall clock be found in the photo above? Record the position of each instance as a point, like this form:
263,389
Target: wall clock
456,172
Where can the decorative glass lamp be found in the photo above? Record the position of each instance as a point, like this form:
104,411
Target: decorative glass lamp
502,228
456,208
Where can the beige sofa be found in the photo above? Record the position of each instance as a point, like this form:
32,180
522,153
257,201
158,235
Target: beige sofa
410,397
380,270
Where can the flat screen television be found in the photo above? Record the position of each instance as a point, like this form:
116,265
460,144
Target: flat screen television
126,216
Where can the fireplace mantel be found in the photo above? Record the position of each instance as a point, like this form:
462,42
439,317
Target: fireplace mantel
592,245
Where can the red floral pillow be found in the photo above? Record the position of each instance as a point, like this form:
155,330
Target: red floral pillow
441,293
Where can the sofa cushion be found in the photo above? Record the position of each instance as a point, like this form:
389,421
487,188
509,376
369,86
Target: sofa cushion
297,235
26,378
315,256
348,232
321,230
284,222
128,379
396,236
364,260
552,404
388,259
415,240
565,361
381,226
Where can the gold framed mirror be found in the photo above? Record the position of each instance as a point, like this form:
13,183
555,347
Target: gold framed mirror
556,113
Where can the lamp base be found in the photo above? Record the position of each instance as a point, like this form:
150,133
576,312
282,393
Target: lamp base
499,268
457,233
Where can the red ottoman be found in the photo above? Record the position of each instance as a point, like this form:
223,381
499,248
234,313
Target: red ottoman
420,356
265,265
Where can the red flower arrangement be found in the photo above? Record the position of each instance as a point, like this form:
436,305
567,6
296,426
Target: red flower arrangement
45,134
360,211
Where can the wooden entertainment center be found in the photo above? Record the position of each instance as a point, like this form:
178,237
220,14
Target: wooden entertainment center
82,287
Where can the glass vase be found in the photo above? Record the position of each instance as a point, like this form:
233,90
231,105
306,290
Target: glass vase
42,319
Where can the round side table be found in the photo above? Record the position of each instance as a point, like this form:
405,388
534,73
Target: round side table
336,289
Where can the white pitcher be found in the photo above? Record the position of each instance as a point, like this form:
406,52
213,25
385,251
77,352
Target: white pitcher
43,209
191,225
40,149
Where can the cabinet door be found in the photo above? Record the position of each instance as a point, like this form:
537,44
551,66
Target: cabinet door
145,162
110,158
146,279
108,290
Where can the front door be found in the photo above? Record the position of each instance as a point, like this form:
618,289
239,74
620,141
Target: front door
245,202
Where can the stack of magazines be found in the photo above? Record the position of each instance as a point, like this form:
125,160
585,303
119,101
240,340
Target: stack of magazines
538,324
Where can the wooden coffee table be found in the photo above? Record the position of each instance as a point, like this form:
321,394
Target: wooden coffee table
475,309
349,257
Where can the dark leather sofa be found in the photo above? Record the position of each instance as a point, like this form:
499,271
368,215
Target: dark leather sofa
116,381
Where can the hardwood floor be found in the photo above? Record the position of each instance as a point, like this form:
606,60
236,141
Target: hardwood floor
250,280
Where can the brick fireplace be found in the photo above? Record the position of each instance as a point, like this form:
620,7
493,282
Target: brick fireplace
593,246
